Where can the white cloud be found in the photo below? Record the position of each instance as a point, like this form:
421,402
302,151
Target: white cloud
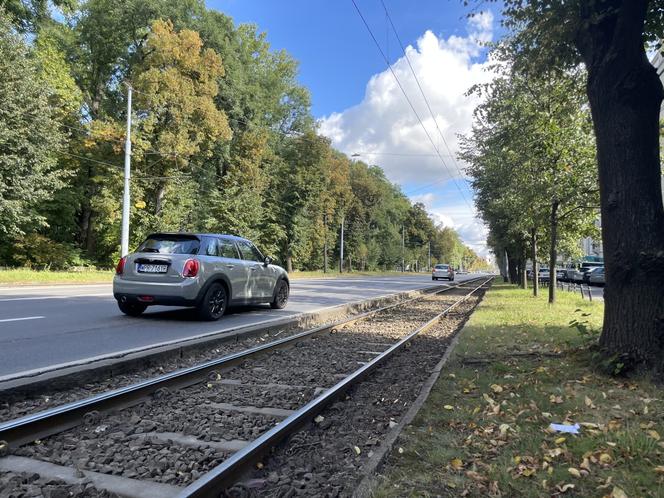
384,122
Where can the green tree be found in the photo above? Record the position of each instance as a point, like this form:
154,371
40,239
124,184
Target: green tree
625,94
30,138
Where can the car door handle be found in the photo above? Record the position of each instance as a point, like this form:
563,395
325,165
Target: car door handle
230,267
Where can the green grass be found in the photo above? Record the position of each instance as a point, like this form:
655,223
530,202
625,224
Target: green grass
517,368
26,276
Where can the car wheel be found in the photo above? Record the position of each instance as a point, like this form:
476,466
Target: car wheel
214,302
281,296
132,309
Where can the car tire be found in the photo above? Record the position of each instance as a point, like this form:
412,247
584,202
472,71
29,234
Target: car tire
213,305
280,295
132,309
434,278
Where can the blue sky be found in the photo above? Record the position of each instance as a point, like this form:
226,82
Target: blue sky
337,57
356,97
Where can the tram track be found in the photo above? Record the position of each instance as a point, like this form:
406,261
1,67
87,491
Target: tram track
214,427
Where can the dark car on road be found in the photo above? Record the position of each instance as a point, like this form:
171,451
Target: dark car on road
206,271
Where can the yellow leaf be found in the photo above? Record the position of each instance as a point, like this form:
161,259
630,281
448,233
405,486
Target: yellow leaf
565,487
653,434
589,402
496,388
448,407
528,472
574,472
476,410
618,493
456,463
560,440
140,205
605,458
517,460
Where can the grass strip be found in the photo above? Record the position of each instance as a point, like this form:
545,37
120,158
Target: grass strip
518,367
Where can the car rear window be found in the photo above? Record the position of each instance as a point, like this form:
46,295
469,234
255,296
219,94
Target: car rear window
170,244
442,267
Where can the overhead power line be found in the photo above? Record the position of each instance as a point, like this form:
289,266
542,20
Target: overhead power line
417,80
403,91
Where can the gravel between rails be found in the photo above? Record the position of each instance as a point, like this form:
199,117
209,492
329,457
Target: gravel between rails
323,459
17,405
124,443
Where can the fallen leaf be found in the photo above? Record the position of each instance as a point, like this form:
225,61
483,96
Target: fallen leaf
448,407
653,434
357,449
319,419
560,440
555,399
605,458
659,469
618,493
589,402
565,487
574,472
400,450
496,388
456,463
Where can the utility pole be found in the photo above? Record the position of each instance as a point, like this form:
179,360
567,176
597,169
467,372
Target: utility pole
403,248
325,244
341,259
124,245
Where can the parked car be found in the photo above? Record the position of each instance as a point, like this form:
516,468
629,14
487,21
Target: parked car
560,274
596,277
578,274
588,272
442,271
543,275
206,271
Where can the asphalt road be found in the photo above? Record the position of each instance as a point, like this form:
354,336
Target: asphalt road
43,326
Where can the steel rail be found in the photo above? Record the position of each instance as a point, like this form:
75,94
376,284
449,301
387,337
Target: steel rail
38,425
221,477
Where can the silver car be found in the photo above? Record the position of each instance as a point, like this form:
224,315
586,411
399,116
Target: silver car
206,271
442,271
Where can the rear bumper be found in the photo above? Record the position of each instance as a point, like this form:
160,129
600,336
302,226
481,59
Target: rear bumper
183,293
154,300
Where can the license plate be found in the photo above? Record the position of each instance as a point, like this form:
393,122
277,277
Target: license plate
144,268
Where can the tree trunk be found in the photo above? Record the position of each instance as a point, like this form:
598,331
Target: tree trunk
289,262
159,197
533,257
522,270
625,95
553,252
512,262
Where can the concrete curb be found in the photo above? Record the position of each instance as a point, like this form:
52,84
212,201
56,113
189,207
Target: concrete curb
368,483
85,370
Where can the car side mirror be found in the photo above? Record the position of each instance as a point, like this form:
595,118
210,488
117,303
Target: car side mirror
267,260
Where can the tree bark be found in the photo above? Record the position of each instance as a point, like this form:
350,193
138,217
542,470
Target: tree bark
533,257
512,269
522,269
553,251
625,95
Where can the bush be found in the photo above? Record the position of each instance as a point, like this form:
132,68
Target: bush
38,251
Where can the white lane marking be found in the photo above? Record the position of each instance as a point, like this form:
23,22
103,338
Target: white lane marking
54,297
21,319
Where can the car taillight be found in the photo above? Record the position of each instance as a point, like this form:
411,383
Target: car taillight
191,267
119,269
